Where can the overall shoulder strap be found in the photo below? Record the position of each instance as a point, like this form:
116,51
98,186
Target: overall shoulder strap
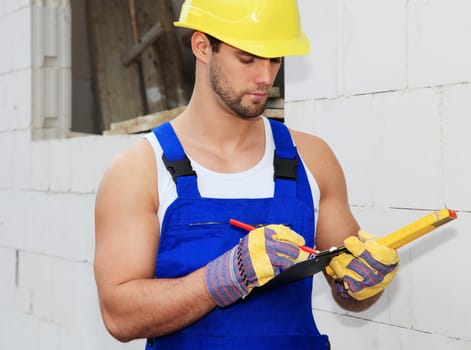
285,161
176,161
289,174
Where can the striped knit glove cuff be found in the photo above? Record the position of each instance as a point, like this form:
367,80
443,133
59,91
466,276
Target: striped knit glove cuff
258,258
225,279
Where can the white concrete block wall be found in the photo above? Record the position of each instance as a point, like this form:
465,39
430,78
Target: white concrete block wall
16,48
371,41
47,245
399,124
321,62
408,156
387,85
48,296
13,97
456,127
439,49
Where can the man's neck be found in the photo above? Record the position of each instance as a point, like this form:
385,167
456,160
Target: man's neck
221,142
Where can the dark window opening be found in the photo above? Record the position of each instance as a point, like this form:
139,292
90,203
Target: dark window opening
129,61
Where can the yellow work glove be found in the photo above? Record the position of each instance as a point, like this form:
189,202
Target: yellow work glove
254,261
365,270
273,249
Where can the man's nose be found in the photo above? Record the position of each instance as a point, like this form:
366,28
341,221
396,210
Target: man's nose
264,71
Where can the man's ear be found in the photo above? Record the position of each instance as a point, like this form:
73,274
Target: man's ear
201,46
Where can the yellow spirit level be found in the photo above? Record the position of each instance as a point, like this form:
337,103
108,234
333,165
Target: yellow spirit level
417,228
317,262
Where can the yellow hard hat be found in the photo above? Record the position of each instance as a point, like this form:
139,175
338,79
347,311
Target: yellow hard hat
266,28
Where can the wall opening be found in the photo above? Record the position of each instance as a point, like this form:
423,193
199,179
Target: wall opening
105,90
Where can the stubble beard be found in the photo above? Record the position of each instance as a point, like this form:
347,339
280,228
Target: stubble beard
233,100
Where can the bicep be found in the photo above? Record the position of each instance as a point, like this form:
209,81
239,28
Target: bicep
126,225
335,221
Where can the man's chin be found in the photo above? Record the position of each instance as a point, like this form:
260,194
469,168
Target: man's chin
252,115
254,112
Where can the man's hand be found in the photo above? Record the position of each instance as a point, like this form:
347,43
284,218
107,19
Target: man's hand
258,258
366,270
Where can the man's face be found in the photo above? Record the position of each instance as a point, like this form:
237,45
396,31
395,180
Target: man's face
241,80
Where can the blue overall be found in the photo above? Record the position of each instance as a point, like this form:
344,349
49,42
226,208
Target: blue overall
196,230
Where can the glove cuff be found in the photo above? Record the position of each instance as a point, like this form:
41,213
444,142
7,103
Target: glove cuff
240,276
225,281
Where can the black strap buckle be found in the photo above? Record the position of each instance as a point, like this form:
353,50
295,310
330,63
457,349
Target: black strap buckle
285,168
178,168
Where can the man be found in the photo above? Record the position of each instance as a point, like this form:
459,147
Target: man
169,266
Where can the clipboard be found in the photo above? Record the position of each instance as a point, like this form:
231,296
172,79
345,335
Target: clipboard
318,261
307,268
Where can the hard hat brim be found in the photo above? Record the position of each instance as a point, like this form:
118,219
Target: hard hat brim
278,47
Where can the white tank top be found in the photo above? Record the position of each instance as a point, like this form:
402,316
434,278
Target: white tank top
256,182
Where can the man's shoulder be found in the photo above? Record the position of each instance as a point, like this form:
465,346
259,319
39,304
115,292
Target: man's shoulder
133,165
310,145
139,155
319,159
130,179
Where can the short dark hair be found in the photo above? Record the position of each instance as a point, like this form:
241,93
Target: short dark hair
215,43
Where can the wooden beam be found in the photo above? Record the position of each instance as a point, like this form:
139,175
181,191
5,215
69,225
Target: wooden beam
168,58
144,43
143,123
117,88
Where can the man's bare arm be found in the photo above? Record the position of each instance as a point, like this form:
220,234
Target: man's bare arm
133,303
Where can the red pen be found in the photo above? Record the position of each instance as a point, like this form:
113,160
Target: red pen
250,228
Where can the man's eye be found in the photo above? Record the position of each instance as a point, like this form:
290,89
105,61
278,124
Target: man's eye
246,60
276,60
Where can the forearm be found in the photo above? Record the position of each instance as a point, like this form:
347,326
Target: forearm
154,307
